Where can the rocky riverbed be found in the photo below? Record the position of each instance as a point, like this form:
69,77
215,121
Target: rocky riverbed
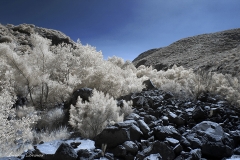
161,127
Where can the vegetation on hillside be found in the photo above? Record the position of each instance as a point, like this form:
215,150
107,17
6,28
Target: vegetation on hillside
47,75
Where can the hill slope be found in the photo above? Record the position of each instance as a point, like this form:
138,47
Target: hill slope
218,52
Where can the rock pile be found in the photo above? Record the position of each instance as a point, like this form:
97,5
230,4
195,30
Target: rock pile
163,127
169,128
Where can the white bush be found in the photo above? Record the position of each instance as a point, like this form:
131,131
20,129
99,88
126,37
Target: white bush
127,108
187,84
90,118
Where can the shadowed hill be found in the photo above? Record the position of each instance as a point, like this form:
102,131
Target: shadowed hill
218,52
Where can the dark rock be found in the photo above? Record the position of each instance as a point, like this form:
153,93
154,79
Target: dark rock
210,137
143,127
157,147
196,154
109,156
199,114
89,154
173,118
112,136
203,97
237,151
165,121
184,142
135,133
149,118
119,151
209,128
173,142
168,95
84,93
122,125
149,85
192,155
178,149
144,144
161,66
84,153
130,147
66,152
194,141
156,156
140,101
181,130
151,139
130,122
161,132
75,144
133,116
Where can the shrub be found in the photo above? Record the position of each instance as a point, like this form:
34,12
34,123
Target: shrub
90,118
126,108
51,120
60,133
186,83
15,134
177,80
227,86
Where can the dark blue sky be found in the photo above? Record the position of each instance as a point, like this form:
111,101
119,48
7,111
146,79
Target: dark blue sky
125,28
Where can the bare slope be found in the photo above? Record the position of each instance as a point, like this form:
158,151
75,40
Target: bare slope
218,52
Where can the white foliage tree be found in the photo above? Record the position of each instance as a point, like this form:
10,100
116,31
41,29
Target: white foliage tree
15,134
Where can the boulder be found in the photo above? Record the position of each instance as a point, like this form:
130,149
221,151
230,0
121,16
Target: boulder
162,132
84,154
199,114
130,147
210,137
119,151
178,149
84,93
135,133
112,136
173,118
149,85
66,152
143,127
156,147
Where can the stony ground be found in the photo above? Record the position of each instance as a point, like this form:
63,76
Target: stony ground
218,52
161,127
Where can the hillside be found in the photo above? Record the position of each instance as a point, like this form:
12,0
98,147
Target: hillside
218,52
